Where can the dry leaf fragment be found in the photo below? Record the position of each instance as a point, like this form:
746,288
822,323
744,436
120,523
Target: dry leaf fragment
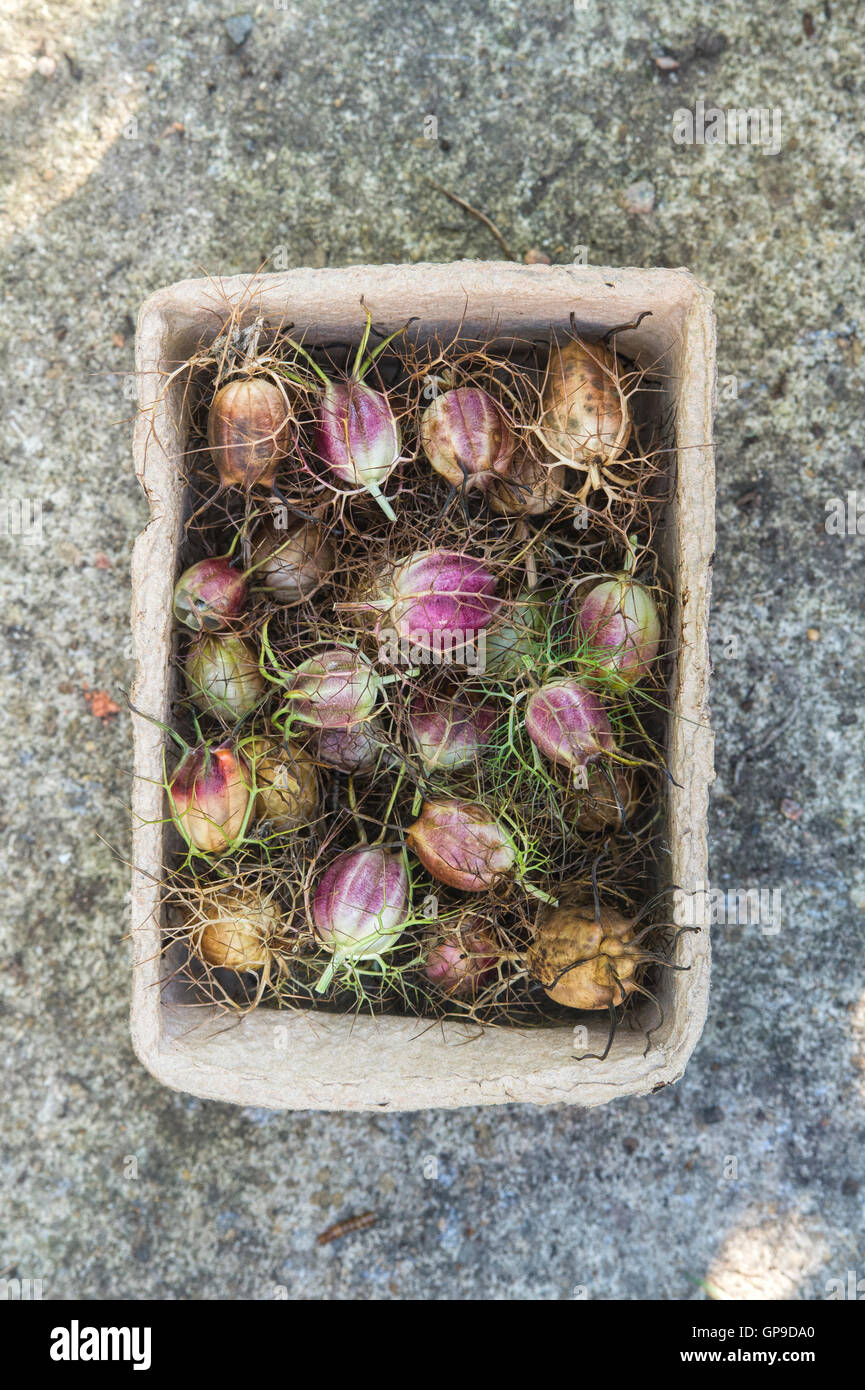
101,704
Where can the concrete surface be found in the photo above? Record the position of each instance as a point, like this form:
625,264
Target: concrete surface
141,143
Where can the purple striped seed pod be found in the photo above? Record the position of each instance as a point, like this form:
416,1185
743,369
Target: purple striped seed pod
357,436
209,793
208,595
568,724
355,749
431,593
466,438
334,689
619,619
448,733
462,963
361,902
461,844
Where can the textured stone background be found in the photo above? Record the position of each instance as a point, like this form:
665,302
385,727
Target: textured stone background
142,144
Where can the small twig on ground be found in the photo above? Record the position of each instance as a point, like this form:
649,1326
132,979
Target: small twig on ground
475,212
343,1228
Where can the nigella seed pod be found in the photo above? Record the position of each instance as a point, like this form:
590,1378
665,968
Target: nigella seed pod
250,429
209,794
619,619
530,489
223,677
333,690
209,595
461,844
466,438
432,593
584,959
462,963
584,415
513,641
357,436
355,749
291,565
447,734
360,904
568,724
234,929
286,784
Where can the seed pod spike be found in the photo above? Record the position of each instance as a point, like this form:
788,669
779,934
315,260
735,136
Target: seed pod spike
361,348
359,367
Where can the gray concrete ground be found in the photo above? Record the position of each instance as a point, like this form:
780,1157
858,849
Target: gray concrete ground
143,141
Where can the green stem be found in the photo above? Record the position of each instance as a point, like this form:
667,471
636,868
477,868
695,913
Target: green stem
320,373
376,492
393,796
166,728
360,369
280,369
538,893
326,976
271,555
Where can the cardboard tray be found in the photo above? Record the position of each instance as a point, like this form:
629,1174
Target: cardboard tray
315,1061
